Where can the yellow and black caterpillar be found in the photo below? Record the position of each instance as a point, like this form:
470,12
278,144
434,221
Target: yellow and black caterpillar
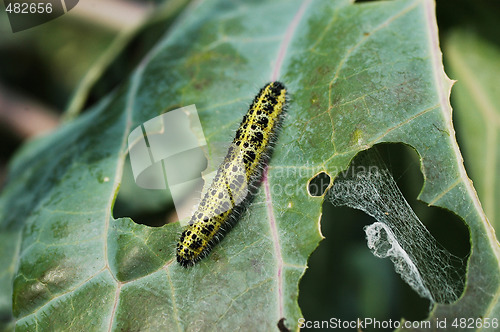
237,177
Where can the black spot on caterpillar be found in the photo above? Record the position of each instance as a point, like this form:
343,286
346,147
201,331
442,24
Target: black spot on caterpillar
236,180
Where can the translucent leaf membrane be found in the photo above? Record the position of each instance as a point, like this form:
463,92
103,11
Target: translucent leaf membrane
431,270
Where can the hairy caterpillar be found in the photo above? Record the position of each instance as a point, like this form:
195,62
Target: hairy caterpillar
237,177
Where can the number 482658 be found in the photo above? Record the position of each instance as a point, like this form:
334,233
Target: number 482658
29,8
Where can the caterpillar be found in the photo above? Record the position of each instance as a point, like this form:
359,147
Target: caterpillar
236,180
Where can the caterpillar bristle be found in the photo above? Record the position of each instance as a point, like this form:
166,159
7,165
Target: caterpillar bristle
237,178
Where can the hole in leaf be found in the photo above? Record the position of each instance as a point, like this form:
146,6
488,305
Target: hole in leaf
345,280
164,165
144,206
318,185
